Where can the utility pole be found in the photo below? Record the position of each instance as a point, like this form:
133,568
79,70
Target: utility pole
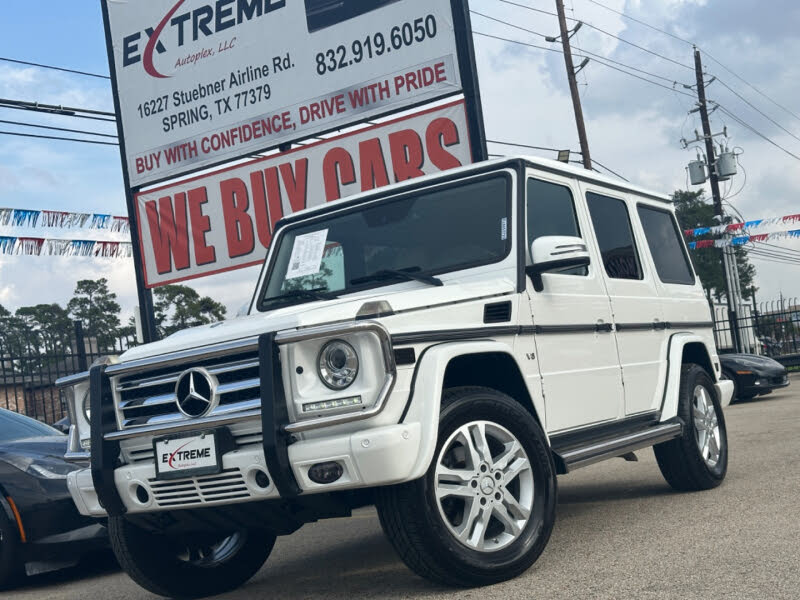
728,254
573,83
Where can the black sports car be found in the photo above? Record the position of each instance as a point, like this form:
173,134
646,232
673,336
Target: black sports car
753,375
40,528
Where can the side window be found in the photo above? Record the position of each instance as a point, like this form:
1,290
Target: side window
551,211
666,245
612,226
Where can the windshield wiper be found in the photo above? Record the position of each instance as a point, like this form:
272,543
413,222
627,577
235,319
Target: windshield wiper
409,274
313,294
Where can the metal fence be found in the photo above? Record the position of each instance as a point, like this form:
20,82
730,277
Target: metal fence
769,328
31,362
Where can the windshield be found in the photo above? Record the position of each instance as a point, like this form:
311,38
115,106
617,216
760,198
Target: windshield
425,233
14,426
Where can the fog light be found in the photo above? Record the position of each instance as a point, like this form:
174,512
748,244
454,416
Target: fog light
332,404
326,472
141,495
262,480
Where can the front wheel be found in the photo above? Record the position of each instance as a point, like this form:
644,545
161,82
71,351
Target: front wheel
484,511
192,566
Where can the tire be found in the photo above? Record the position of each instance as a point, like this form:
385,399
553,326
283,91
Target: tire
728,376
188,568
425,531
691,462
10,567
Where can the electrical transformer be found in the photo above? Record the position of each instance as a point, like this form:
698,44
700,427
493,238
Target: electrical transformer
726,166
697,172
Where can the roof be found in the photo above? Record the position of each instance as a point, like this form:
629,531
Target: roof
543,164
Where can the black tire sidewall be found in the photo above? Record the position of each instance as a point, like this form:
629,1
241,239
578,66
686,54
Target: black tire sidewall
698,376
147,559
497,408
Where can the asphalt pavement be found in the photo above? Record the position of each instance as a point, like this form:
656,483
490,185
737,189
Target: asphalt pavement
621,532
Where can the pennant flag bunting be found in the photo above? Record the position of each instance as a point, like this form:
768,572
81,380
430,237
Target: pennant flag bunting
25,218
120,225
744,239
22,246
7,244
30,246
15,217
736,227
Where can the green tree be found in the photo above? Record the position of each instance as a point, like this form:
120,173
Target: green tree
51,325
694,210
16,340
96,306
180,307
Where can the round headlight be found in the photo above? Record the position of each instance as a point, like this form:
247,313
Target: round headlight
338,364
87,406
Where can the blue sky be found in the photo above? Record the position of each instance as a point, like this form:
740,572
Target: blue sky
633,127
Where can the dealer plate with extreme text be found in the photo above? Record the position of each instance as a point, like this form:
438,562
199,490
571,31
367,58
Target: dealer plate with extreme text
187,455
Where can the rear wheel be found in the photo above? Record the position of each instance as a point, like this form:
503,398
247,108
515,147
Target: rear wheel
192,566
698,460
484,511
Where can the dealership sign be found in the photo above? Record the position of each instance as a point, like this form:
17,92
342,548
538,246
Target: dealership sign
224,220
200,82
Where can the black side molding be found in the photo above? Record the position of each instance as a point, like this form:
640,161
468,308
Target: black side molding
104,454
274,417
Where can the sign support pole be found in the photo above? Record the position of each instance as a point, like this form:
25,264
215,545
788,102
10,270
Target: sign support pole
469,79
149,332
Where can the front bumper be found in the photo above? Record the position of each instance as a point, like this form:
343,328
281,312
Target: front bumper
724,389
763,384
378,456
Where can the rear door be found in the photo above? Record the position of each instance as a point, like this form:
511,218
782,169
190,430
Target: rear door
572,317
635,302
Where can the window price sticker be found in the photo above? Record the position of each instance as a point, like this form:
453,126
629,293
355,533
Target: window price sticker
307,254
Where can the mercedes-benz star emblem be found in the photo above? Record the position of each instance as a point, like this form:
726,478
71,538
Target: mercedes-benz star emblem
196,393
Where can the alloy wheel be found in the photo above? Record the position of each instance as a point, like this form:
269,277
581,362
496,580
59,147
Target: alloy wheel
706,426
484,486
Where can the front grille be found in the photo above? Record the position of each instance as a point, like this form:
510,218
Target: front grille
225,486
149,398
780,379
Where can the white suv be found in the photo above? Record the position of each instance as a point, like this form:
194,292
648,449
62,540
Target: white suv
442,348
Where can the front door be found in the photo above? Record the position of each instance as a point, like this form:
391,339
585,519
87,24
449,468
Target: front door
577,353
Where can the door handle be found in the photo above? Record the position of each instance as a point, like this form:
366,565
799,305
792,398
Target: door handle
602,326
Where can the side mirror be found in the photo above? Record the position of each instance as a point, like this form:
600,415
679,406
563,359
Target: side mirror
554,253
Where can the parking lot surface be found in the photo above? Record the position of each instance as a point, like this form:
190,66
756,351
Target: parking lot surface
621,532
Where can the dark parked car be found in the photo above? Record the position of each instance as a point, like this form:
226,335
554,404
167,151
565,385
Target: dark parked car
753,375
40,528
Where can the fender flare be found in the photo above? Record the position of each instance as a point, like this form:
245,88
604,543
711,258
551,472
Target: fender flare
425,397
677,343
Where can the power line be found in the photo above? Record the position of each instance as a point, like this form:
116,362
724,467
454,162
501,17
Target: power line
58,128
755,131
603,31
776,254
755,108
584,54
529,146
80,113
480,14
538,10
680,39
594,160
51,67
52,137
